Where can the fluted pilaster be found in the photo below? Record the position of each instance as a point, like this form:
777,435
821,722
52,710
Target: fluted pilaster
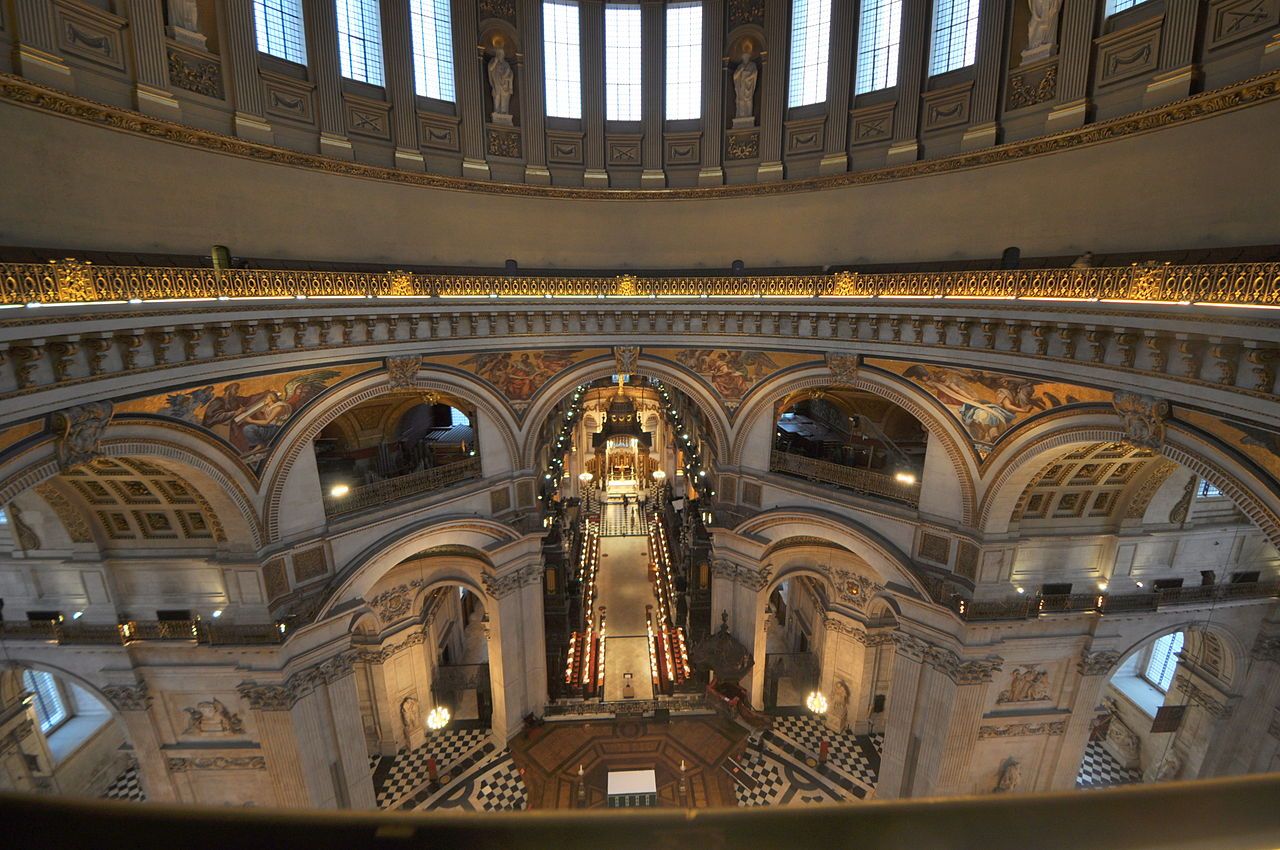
151,74
322,48
469,66
835,150
652,55
397,49
773,100
531,88
713,86
985,105
591,23
911,61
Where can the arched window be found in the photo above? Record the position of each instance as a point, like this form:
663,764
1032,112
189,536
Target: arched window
684,61
1114,6
622,65
432,49
563,68
1163,659
955,35
810,45
879,30
50,706
360,40
278,25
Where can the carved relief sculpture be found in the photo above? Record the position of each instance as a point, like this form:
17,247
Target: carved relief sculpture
744,88
625,357
1010,776
501,83
212,718
79,431
1143,418
25,535
402,370
1027,684
410,715
1042,29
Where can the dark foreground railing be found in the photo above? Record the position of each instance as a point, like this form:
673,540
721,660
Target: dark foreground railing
1238,813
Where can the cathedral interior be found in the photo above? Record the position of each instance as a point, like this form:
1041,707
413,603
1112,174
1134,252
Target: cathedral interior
796,420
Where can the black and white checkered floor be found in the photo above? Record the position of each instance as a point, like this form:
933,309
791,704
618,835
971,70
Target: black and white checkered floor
126,787
1100,770
776,768
476,775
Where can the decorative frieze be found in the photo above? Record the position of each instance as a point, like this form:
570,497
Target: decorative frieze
1129,52
1026,684
195,72
128,697
871,124
1230,20
288,98
564,147
742,145
756,580
505,585
1012,730
391,605
439,132
503,143
90,33
1029,86
181,765
683,148
947,107
622,149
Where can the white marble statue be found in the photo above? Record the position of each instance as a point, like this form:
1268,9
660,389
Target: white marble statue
501,84
744,87
184,23
1042,28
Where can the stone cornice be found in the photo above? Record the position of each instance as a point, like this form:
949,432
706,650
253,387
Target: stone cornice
1260,89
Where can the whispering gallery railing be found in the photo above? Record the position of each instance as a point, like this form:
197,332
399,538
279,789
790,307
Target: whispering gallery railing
382,493
72,281
120,634
851,478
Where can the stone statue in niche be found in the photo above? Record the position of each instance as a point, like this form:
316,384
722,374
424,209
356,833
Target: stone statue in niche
1169,767
410,716
1010,776
184,23
1041,29
212,718
744,89
1027,684
501,83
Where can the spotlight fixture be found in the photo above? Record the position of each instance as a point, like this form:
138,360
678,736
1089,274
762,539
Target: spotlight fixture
905,478
217,612
1020,589
77,615
339,490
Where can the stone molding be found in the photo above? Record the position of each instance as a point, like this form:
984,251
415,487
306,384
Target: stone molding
1010,730
181,765
1204,699
756,580
501,586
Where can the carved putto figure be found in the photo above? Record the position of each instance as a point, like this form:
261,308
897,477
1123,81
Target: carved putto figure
744,85
212,718
501,83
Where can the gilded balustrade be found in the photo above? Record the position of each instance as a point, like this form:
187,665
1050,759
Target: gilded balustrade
859,480
71,281
382,493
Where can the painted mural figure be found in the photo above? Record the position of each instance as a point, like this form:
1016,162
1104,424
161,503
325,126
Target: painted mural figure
732,373
520,374
987,403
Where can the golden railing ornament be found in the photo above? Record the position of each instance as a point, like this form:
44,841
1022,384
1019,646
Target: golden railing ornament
625,286
400,283
74,281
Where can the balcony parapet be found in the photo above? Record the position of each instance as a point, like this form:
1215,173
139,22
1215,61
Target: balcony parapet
1029,607
122,634
75,282
380,493
865,481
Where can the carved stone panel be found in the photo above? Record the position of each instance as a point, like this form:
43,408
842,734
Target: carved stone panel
367,117
742,145
684,148
309,564
934,548
79,431
1026,684
439,132
504,142
565,147
288,97
195,71
211,717
274,578
622,149
503,10
1129,52
947,107
805,136
1030,85
871,124
90,33
752,494
967,560
1234,19
500,500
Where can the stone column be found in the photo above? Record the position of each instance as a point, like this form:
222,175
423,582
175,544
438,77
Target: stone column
904,685
713,85
322,48
344,708
151,72
935,718
653,95
467,64
1075,50
773,94
241,62
1178,69
397,59
316,752
983,130
271,705
133,702
1094,669
835,151
519,671
35,55
1253,739
912,56
968,699
533,103
591,25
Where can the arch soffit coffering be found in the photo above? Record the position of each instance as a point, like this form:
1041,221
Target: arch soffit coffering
549,395
299,433
1204,456
935,419
880,555
222,478
366,569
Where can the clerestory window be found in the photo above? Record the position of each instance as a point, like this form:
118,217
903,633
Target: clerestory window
1162,661
879,31
684,61
51,708
279,30
432,32
563,67
810,45
1114,6
622,64
955,35
360,40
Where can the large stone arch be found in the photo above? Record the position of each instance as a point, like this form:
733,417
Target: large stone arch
303,429
222,478
920,405
678,377
1205,456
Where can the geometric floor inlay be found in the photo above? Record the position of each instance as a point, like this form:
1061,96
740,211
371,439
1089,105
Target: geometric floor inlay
1099,769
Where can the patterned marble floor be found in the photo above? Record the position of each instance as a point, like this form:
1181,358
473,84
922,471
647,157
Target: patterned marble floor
1100,770
475,774
782,767
126,787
